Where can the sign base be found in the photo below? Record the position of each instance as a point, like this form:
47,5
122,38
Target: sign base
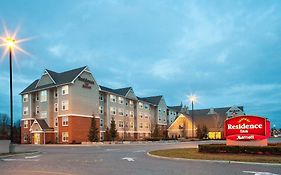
262,142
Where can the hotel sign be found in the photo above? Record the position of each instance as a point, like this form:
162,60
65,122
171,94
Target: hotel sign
86,82
247,128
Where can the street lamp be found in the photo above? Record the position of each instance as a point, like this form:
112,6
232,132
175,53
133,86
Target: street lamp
192,98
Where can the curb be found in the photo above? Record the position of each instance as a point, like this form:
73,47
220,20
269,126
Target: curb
20,154
214,161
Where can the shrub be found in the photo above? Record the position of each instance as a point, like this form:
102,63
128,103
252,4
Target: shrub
220,148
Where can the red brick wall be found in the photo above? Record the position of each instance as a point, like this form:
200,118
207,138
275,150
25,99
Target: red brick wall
25,131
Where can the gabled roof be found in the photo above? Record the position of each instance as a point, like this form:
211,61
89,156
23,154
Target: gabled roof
204,112
175,108
42,123
59,78
123,91
153,99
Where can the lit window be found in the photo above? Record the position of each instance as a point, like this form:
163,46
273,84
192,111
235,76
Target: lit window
146,116
121,111
140,114
55,107
131,124
141,105
43,96
101,109
65,121
120,124
113,98
64,136
121,100
64,90
25,124
64,104
131,113
141,125
131,103
43,114
146,125
126,113
112,110
25,110
37,109
25,98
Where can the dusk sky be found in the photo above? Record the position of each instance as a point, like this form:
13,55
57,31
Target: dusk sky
226,52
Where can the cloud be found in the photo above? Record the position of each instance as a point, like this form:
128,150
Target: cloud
166,69
57,50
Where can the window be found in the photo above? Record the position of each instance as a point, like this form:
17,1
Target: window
65,121
43,114
140,114
145,116
126,103
131,103
141,105
64,105
131,124
126,113
121,111
113,98
25,110
101,97
146,106
56,93
25,124
43,96
159,109
64,90
101,109
121,100
146,125
55,107
37,109
101,123
25,98
64,136
141,125
37,97
112,110
131,114
120,124
56,122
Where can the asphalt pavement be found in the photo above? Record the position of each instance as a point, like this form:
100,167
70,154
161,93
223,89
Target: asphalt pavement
119,159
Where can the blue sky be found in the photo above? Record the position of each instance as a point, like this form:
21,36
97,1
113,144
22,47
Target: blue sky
226,52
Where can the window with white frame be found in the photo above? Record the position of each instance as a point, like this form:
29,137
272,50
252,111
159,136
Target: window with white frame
120,124
25,124
141,126
120,100
65,121
56,93
64,136
43,114
145,116
64,90
101,122
25,98
43,96
159,109
131,113
126,103
146,125
121,111
37,109
55,107
25,110
126,113
131,124
140,114
131,103
112,110
101,109
101,97
64,105
37,96
113,98
141,105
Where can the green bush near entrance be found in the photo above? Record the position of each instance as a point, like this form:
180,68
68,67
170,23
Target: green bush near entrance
221,148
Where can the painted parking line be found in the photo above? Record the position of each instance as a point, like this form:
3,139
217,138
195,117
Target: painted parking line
20,160
32,157
140,151
259,173
129,159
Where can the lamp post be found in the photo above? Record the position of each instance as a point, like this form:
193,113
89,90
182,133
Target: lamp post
192,99
10,43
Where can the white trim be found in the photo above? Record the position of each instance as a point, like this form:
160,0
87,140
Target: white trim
28,119
49,87
79,74
45,72
34,123
44,131
77,115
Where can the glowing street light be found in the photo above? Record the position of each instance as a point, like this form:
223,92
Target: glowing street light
11,44
192,98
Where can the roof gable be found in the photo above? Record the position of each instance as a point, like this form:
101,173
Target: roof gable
153,99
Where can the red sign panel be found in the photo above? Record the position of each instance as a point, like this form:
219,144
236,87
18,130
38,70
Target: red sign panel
247,128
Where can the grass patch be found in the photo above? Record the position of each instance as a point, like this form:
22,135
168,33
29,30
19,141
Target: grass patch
192,153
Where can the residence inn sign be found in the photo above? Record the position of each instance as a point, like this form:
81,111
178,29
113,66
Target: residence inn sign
247,130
